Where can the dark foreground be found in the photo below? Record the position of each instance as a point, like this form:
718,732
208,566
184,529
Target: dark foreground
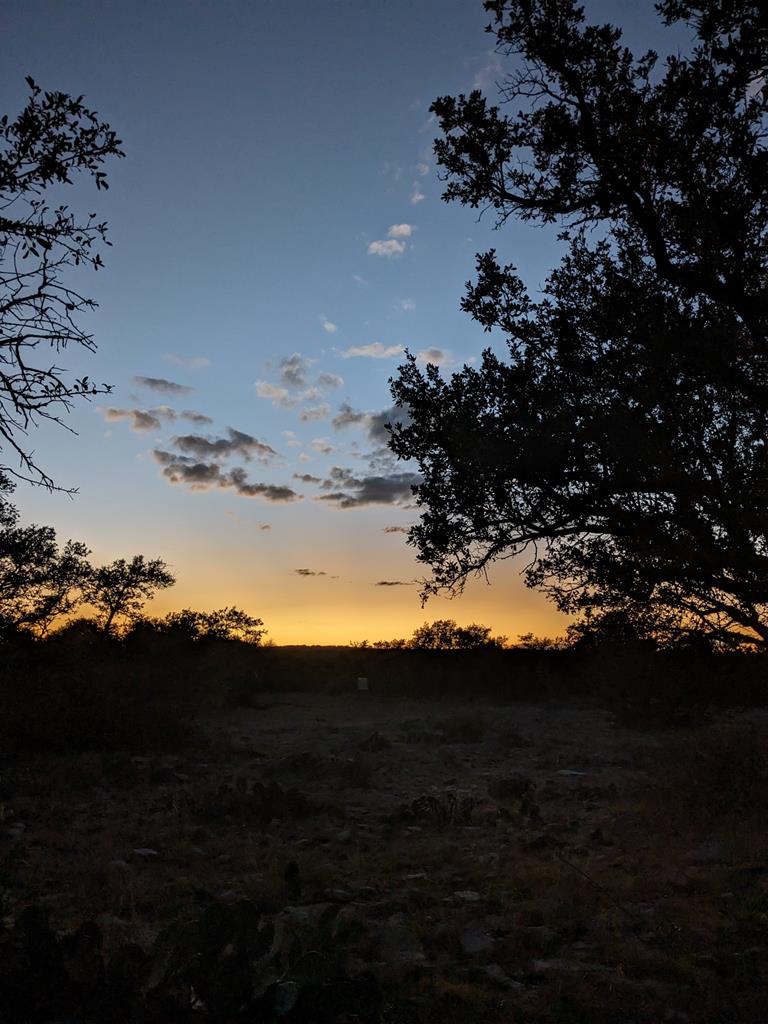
358,859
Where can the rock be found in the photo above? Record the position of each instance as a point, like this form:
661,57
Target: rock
292,881
286,997
495,974
145,853
476,940
709,852
397,943
511,788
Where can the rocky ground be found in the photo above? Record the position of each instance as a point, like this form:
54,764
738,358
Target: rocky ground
354,859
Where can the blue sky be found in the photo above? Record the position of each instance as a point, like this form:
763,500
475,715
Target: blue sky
278,240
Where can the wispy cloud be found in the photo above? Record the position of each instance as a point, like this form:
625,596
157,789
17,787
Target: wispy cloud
198,418
375,423
278,395
309,572
329,381
189,362
400,231
293,370
314,412
416,196
405,305
328,326
206,476
373,351
140,419
168,387
422,169
307,478
394,583
322,445
438,356
236,443
345,490
395,529
360,280
389,248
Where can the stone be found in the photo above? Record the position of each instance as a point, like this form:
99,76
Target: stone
511,788
476,940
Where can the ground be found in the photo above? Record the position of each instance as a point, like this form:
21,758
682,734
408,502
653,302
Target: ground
506,862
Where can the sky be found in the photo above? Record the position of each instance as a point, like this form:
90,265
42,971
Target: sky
278,241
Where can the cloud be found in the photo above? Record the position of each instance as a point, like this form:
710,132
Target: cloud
405,305
389,248
348,491
308,572
322,445
263,526
422,169
141,419
196,417
395,529
377,423
205,476
303,457
400,231
329,381
315,412
328,327
394,583
279,396
433,355
417,196
167,387
347,416
293,370
359,280
190,362
236,443
374,422
373,351
307,478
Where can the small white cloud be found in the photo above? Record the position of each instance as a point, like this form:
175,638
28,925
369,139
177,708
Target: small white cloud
417,196
405,305
279,396
322,445
317,412
400,231
389,248
328,327
359,280
373,351
434,355
303,457
422,169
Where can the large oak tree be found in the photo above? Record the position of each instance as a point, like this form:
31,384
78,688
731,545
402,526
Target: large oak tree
621,443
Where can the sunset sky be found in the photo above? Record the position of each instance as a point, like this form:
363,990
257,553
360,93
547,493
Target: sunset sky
278,241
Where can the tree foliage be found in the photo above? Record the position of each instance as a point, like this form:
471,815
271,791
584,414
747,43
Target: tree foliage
39,582
622,443
221,624
121,589
54,137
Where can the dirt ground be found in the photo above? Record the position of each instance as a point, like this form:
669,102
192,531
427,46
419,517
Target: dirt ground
522,862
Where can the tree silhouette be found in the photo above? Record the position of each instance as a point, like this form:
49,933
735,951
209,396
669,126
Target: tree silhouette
53,137
622,443
38,581
445,635
122,588
222,624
